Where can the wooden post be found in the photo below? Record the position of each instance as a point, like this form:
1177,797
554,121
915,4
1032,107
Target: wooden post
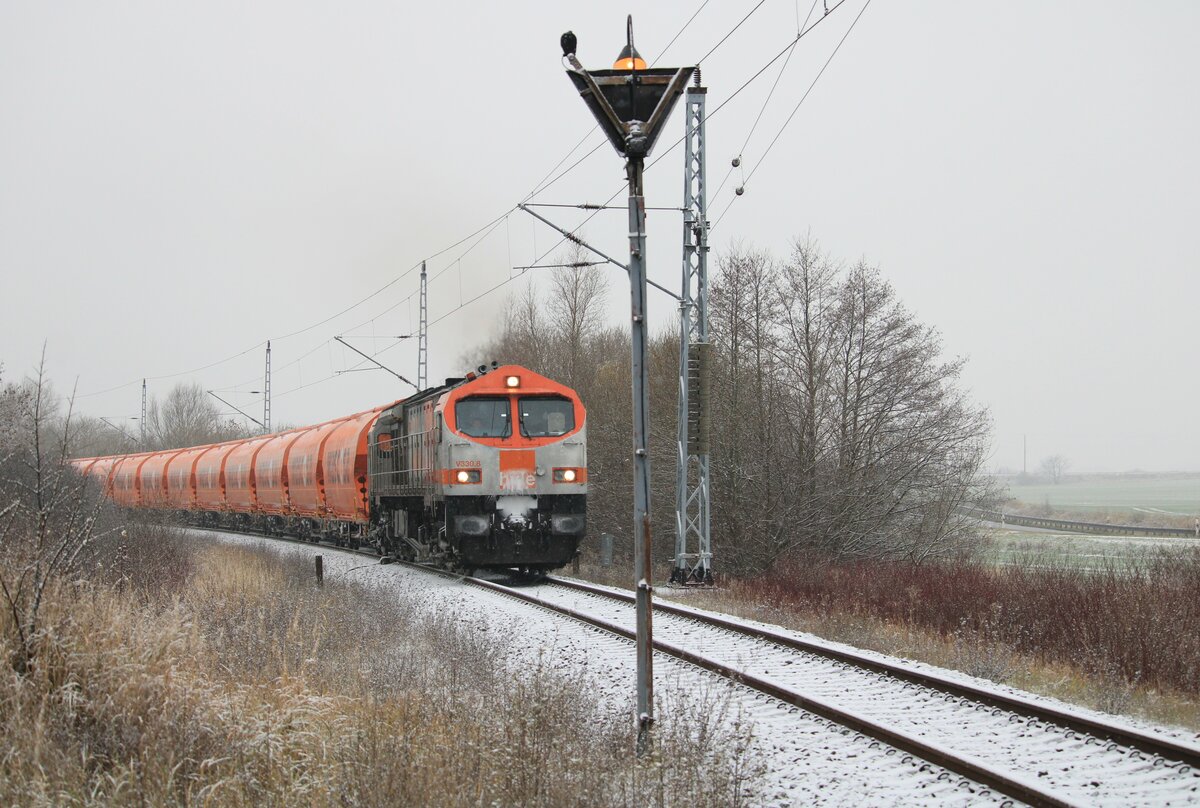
320,571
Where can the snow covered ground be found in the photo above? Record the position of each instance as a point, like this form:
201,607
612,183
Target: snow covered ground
807,759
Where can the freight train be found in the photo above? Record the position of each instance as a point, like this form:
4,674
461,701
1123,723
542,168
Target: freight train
483,472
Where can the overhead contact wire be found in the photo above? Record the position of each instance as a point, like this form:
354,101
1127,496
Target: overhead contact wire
796,109
539,188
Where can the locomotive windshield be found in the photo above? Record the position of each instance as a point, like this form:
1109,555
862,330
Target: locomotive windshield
483,417
546,416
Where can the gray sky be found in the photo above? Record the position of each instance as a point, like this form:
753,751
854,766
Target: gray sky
180,183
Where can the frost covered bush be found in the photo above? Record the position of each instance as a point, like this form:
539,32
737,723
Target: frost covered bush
244,684
1132,621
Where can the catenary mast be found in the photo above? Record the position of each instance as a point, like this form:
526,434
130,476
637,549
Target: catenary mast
692,490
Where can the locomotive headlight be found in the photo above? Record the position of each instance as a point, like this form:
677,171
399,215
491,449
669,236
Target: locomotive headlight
568,475
468,475
512,381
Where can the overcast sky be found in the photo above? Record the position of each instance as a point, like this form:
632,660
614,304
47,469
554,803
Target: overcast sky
181,182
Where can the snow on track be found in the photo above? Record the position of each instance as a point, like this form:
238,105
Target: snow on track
808,760
1076,767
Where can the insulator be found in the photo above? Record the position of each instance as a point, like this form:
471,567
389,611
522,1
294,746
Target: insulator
741,189
737,161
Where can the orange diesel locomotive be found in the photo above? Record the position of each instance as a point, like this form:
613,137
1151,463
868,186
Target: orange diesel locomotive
488,471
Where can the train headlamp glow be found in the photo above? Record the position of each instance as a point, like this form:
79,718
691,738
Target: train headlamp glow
512,381
567,475
467,476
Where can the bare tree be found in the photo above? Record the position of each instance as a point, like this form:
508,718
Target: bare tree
839,428
1054,468
576,310
525,333
46,521
96,437
188,416
754,503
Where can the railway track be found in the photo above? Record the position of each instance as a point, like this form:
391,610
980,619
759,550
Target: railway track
1026,750
1010,743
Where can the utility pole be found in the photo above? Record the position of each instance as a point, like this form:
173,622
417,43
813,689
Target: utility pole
143,421
266,423
692,489
423,337
631,102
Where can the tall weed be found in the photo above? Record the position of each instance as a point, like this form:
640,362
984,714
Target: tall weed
225,676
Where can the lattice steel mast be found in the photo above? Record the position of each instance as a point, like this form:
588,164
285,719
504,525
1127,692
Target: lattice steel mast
692,490
143,421
267,391
422,338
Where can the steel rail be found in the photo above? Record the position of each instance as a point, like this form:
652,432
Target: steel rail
970,767
965,765
1168,748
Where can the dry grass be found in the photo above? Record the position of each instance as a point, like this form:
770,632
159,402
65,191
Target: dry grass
246,685
1132,619
1122,641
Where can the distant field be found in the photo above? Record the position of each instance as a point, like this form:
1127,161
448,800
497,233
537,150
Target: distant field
1171,495
1075,550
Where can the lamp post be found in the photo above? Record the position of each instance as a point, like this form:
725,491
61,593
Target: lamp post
631,102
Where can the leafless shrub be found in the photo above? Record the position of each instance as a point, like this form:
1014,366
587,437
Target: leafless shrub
1130,620
47,513
248,685
977,654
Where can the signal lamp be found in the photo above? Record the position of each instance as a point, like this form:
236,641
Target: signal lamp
631,101
629,59
468,475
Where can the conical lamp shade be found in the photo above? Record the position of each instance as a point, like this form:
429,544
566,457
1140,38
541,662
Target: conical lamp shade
619,98
629,59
